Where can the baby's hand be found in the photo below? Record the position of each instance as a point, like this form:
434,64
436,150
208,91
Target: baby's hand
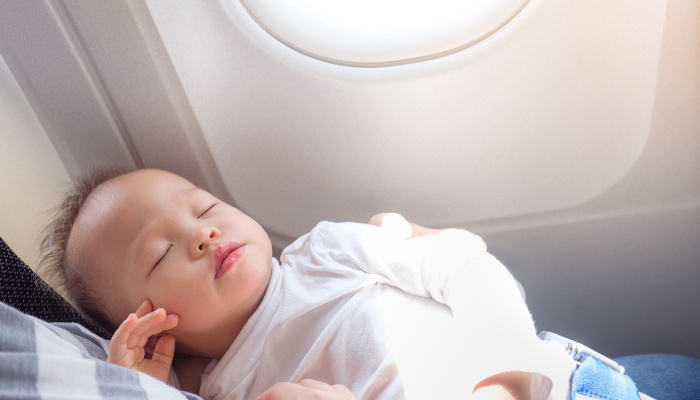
128,345
399,226
307,389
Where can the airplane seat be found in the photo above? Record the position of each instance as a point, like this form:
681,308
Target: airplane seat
23,289
664,376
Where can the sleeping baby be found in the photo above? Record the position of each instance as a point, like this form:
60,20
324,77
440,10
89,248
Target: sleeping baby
385,310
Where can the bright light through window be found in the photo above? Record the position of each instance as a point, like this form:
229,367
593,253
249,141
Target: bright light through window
381,32
383,16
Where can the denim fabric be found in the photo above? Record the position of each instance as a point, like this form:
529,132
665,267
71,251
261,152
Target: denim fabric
598,381
664,376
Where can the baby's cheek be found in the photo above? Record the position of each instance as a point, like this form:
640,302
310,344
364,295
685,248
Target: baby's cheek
253,281
178,298
178,305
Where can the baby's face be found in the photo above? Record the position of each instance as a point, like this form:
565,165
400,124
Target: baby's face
154,235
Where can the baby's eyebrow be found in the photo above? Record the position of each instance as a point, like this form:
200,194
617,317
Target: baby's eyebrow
139,253
186,195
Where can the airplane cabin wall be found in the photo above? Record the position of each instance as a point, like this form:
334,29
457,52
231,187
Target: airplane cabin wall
32,172
569,139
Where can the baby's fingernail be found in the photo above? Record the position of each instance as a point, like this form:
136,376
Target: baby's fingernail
171,316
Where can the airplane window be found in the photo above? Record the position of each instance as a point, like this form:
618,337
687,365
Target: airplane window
381,32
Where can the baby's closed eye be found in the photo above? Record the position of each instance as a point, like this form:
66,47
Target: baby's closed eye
170,247
207,210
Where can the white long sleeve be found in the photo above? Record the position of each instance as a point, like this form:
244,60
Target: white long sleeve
353,304
453,268
428,266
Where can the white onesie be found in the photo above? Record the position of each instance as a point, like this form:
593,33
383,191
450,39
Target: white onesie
390,318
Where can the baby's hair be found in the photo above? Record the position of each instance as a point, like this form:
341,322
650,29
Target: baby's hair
55,259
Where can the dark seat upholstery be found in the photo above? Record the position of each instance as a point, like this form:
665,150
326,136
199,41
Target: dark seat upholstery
23,289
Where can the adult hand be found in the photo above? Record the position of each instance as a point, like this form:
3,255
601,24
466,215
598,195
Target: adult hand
129,343
307,389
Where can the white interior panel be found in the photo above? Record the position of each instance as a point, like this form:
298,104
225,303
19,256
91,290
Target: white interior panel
31,171
41,47
483,127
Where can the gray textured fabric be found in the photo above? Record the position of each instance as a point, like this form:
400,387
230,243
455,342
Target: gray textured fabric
18,361
39,360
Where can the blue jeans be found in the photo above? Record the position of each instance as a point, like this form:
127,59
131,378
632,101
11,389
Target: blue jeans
664,376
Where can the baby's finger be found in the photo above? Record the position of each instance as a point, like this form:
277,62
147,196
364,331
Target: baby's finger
314,384
477,241
171,321
153,324
125,329
327,388
343,390
150,320
376,220
164,351
419,230
397,225
160,325
145,308
144,327
465,239
119,344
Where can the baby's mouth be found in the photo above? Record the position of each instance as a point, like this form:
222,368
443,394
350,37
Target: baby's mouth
226,256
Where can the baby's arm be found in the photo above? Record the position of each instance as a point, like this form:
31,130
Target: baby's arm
128,345
452,267
402,228
420,260
496,303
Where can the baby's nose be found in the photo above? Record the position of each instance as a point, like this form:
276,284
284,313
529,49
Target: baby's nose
202,240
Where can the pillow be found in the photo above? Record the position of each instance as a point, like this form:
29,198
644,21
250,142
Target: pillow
23,289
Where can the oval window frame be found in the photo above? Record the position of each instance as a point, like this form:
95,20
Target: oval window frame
306,26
